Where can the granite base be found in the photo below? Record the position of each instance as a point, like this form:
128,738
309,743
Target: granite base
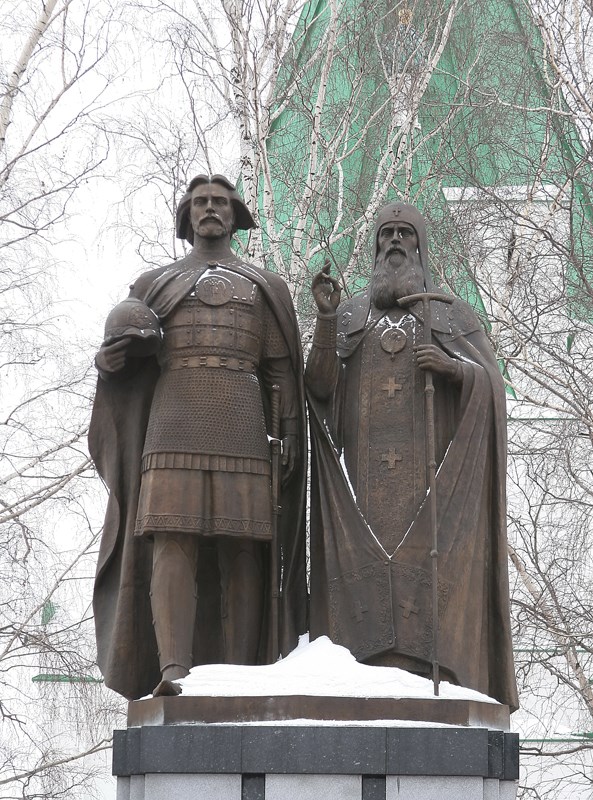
314,762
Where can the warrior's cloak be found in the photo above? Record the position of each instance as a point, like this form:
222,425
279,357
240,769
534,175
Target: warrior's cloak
127,650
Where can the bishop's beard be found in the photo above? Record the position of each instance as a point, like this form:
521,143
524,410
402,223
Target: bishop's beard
394,278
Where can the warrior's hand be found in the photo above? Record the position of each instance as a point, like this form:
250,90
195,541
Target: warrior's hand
326,291
112,357
290,454
431,357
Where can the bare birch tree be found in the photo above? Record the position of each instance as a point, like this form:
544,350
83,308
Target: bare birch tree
481,114
57,59
269,67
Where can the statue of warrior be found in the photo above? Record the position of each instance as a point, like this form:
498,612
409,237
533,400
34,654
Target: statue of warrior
373,588
188,372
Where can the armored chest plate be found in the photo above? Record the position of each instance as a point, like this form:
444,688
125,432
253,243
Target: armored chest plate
208,399
214,290
219,286
222,317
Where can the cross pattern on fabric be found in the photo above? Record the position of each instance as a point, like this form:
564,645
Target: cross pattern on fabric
390,458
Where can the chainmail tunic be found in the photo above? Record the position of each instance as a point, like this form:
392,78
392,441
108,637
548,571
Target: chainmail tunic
206,461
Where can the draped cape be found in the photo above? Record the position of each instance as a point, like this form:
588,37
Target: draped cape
350,570
126,644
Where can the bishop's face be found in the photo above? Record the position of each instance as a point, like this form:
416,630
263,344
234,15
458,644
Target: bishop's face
398,270
397,239
211,211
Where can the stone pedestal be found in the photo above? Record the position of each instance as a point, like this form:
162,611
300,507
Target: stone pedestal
163,755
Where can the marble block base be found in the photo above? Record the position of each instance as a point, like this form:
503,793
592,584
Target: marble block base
309,762
311,787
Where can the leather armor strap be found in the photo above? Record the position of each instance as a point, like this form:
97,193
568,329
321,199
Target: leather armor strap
212,362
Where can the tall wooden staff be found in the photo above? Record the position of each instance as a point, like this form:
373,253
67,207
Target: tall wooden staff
426,298
276,450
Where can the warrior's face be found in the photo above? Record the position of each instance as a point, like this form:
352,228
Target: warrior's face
211,211
398,270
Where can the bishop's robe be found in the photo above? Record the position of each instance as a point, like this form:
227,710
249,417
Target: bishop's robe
371,586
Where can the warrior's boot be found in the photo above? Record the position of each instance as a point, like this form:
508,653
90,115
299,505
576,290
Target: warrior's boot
173,599
241,572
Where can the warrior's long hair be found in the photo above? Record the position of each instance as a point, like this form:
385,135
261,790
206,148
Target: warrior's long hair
243,219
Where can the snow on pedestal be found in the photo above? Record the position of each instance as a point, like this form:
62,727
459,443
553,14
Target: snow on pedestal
318,668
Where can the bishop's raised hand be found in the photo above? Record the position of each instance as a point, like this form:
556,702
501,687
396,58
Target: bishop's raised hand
326,291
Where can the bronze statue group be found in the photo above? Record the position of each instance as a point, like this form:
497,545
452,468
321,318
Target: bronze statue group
203,554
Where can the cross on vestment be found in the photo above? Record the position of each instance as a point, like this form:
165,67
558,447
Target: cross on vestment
409,607
358,610
390,458
391,387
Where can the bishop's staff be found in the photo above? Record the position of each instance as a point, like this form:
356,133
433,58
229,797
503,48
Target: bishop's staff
426,298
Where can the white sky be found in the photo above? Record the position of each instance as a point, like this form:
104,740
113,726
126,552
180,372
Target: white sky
97,261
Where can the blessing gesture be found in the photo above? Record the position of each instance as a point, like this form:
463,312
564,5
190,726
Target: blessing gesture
326,290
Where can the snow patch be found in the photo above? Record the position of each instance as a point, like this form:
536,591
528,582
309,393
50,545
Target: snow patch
319,668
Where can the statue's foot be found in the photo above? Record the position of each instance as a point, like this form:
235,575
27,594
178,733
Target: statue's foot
167,688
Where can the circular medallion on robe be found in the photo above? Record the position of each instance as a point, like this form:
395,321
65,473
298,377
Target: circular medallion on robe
393,340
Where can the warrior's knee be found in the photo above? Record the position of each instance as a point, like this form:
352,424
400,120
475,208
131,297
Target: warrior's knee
240,559
175,555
